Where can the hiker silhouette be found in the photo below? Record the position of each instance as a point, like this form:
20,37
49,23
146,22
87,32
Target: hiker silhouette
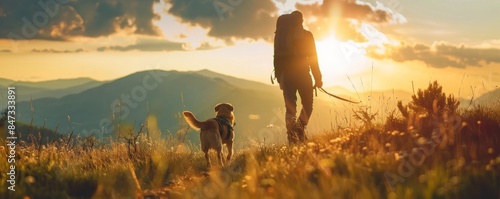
294,58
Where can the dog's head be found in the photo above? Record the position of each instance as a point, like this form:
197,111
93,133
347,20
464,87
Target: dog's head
224,109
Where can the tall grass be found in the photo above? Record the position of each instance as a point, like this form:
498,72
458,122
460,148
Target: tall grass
395,158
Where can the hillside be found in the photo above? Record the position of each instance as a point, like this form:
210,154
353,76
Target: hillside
388,160
174,92
25,91
259,108
54,84
489,98
89,110
241,83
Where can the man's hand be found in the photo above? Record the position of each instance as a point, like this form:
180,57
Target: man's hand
318,84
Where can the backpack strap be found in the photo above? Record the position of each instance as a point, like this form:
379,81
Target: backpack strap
272,79
224,122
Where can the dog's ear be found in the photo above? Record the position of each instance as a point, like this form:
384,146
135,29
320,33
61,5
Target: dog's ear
217,107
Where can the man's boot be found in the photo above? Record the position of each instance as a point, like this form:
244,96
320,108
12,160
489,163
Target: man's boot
291,131
301,134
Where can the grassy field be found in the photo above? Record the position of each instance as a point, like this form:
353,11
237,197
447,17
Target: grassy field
426,149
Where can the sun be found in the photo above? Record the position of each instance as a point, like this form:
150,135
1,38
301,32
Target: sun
329,52
338,59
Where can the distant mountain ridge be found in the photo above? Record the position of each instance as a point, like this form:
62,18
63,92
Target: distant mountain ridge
489,98
129,100
54,84
242,83
26,91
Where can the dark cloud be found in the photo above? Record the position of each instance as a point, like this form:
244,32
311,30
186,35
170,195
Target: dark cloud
5,51
57,51
240,19
335,16
256,19
62,19
438,55
224,19
349,9
147,44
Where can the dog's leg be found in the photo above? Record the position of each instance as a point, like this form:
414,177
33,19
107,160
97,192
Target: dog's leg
219,156
229,146
208,159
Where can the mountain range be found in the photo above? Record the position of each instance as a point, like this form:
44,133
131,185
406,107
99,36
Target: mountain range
26,91
128,101
84,105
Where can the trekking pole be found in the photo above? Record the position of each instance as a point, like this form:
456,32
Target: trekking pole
335,96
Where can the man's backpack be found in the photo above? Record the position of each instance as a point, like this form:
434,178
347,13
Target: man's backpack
283,43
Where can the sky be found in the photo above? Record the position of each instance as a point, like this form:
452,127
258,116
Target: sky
361,44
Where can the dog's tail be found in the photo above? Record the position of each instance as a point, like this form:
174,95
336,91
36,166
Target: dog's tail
193,122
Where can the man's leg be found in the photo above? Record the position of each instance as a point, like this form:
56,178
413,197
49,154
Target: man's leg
306,98
290,96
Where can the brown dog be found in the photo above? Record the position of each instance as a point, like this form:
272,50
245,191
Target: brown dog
216,131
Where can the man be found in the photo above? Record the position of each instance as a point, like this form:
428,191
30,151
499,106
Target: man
294,58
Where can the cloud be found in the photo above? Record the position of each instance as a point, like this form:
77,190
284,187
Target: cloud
5,51
235,19
439,54
256,19
147,44
228,20
343,17
62,19
57,51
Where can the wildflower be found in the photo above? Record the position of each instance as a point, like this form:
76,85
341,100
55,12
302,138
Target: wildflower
423,115
421,141
311,144
479,122
248,178
399,156
491,150
30,179
387,145
268,182
335,140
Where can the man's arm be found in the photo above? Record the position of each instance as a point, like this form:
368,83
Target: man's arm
313,60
